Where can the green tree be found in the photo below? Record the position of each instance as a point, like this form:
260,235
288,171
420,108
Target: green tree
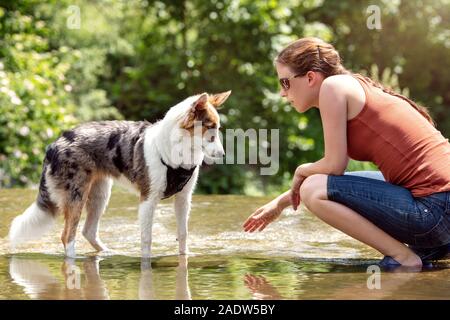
135,59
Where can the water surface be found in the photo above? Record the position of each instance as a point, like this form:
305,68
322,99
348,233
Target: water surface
297,257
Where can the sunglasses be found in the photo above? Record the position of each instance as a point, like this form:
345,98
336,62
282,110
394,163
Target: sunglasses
285,82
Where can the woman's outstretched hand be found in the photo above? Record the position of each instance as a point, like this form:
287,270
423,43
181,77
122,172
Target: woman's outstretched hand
295,188
259,219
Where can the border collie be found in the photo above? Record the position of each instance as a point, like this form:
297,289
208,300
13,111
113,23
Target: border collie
159,160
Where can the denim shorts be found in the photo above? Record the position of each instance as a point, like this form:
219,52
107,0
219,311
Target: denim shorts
423,222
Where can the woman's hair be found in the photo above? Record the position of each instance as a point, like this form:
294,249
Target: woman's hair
314,54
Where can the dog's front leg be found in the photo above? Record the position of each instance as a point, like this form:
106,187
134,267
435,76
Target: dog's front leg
182,209
146,211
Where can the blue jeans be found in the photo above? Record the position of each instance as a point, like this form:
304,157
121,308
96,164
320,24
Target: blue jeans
423,222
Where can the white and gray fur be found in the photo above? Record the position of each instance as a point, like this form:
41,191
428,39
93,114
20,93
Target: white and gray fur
79,168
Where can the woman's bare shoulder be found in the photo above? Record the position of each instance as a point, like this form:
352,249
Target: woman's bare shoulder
341,82
347,86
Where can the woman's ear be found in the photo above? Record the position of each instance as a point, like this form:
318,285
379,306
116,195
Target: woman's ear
219,98
310,76
314,76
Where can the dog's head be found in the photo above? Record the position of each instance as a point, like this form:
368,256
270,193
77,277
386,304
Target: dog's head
198,122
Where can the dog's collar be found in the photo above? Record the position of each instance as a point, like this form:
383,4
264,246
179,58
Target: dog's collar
176,179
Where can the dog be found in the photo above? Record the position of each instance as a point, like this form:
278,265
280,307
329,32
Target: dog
159,160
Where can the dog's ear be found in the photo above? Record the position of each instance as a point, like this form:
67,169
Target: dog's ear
200,103
219,98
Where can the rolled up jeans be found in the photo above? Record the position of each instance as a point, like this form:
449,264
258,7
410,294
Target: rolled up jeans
423,222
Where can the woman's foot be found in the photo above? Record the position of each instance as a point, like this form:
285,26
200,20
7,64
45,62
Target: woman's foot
409,260
389,262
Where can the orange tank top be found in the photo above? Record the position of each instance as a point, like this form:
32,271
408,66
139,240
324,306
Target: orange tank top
407,149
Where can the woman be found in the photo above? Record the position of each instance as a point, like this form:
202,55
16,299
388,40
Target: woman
408,202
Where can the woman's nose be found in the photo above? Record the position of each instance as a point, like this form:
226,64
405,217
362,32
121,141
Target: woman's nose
283,93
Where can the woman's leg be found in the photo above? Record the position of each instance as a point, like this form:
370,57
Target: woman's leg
314,195
433,253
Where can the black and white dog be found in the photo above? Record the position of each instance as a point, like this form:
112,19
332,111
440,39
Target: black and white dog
159,160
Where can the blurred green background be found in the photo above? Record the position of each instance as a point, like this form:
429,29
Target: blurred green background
66,62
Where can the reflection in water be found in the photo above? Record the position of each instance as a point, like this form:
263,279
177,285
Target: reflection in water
260,288
147,289
94,287
39,282
389,285
296,257
212,277
34,277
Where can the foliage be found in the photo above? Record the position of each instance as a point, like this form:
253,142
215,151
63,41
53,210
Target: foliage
41,90
134,59
34,103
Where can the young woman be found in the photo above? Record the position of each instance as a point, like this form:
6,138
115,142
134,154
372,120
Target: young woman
408,202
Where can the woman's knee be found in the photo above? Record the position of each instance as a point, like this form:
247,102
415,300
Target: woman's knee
314,187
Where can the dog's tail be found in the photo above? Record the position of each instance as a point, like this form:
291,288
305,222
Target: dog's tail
37,220
30,225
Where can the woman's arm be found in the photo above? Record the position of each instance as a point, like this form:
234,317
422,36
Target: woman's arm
333,112
284,200
322,166
266,214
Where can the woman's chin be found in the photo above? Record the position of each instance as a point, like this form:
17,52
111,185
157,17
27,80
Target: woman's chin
302,109
299,108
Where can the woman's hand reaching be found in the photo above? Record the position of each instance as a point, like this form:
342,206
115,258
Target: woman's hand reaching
259,219
268,213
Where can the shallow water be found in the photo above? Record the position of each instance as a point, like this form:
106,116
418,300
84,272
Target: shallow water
297,257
